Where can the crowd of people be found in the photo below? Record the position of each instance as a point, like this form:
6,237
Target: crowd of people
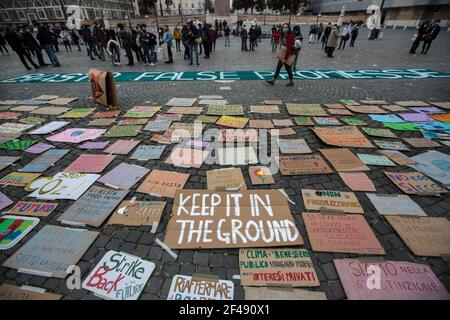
427,32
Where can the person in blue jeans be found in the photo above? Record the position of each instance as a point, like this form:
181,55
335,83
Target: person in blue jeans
144,39
194,34
168,38
45,38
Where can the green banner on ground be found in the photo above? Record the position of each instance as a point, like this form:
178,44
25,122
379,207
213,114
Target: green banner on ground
232,75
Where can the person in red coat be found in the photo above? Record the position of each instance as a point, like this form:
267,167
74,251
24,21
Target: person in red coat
213,35
288,41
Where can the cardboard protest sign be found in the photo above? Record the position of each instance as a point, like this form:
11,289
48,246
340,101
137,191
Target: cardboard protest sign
424,236
63,185
186,110
404,126
383,133
229,179
260,175
169,117
181,102
192,288
261,124
76,135
107,114
156,126
353,121
119,276
61,101
400,280
347,136
52,251
435,135
433,126
45,97
122,146
77,113
441,117
45,161
346,233
123,131
265,109
9,102
187,157
17,144
13,292
427,110
366,109
422,142
391,145
9,115
434,164
444,105
415,117
220,102
303,121
7,161
206,119
211,97
395,108
39,148
340,112
14,228
132,121
142,111
273,101
247,218
327,121
238,156
238,135
334,106
294,146
232,122
376,102
295,109
103,87
282,132
357,181
375,160
4,201
349,102
14,127
329,200
395,205
415,183
124,176
163,183
397,157
282,293
93,207
412,103
228,110
32,120
138,213
18,179
94,145
50,111
344,160
101,122
302,164
281,266
199,144
145,153
35,209
282,122
90,163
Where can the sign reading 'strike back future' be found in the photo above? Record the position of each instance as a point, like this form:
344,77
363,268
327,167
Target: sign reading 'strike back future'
232,75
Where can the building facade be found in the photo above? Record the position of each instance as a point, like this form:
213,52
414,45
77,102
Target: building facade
409,13
53,11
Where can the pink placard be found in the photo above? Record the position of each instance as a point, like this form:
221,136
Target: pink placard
90,163
76,135
357,181
4,201
39,147
415,117
98,145
399,280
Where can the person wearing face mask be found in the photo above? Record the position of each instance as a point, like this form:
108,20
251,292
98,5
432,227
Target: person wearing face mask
286,55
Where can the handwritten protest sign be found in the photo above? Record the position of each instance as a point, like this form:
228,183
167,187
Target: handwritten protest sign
282,122
397,157
138,213
39,147
228,110
238,135
327,121
61,101
144,153
340,112
424,236
163,183
94,206
225,179
90,163
14,127
260,124
156,126
357,181
77,113
119,276
400,280
391,145
395,108
347,136
45,161
366,109
422,142
32,120
281,293
187,157
302,164
305,109
123,131
14,228
7,161
52,251
36,209
260,175
200,288
107,114
4,201
395,204
377,132
142,112
375,160
94,145
9,115
347,233
294,146
12,292
349,102
303,121
343,160
124,176
282,132
122,146
17,144
76,135
271,267
237,156
331,200
248,218
181,102
63,185
392,118
415,183
434,164
101,122
232,122
353,121
206,119
18,179
266,109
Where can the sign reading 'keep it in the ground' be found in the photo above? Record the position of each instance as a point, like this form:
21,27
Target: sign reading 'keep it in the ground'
233,75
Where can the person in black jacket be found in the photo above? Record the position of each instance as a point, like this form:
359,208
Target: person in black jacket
419,36
75,38
206,38
326,34
45,38
430,35
16,43
3,44
193,34
354,34
127,43
32,45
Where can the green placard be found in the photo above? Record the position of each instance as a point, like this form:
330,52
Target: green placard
383,133
401,126
123,131
32,120
226,110
17,144
353,121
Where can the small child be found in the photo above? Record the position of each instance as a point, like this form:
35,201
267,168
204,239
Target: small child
113,49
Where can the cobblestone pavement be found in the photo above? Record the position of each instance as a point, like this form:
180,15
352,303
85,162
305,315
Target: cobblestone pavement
390,52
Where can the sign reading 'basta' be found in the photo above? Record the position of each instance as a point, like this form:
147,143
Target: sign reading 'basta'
208,219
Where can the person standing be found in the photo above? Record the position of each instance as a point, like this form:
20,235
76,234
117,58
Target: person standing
90,41
326,34
332,40
287,55
206,39
127,42
200,45
297,44
55,36
45,38
419,36
144,39
313,34
75,38
253,36
430,35
32,45
135,45
65,36
213,36
3,44
168,39
113,48
345,35
226,32
185,40
15,41
355,32
194,41
101,39
244,36
177,37
276,34
319,31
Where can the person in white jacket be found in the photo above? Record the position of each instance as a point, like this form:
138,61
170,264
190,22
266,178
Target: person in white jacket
113,49
345,35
